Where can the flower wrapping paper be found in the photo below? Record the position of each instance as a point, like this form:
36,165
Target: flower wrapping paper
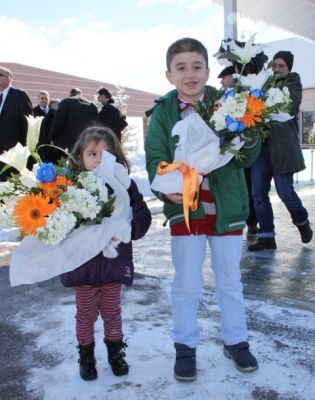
33,261
199,148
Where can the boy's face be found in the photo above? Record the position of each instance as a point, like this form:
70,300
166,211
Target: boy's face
189,74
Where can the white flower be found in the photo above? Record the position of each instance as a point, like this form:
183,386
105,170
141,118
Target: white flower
6,188
58,225
6,215
16,157
28,178
274,96
33,130
255,81
243,55
80,201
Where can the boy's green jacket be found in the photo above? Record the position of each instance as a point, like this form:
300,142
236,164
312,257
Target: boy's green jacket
227,184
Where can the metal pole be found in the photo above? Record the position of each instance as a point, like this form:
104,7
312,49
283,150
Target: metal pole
230,19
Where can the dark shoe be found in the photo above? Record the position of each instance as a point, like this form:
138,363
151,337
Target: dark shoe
185,364
116,357
243,359
263,243
252,230
87,362
306,232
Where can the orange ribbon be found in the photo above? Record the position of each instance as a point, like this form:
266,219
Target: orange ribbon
191,185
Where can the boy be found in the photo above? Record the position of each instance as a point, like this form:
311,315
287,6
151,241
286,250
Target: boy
218,220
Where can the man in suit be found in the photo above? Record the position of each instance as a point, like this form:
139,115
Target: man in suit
41,110
74,114
109,115
14,106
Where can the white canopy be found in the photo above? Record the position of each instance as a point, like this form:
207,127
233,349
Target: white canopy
297,16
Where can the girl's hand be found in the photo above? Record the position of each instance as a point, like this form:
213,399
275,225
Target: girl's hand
114,239
174,198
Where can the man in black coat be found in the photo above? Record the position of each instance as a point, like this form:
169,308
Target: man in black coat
74,114
41,110
109,115
14,106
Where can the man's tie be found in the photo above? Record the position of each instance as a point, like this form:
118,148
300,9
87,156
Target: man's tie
1,97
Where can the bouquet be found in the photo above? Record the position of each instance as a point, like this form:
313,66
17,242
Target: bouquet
50,200
65,218
249,109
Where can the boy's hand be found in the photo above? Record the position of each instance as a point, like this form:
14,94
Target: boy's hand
174,198
114,239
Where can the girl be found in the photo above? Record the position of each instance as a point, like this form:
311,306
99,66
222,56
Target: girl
97,283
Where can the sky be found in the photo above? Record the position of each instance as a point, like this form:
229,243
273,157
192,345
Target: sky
119,42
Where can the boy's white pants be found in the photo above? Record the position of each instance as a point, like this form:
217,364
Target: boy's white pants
188,254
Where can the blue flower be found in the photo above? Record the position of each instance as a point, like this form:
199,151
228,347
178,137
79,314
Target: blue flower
228,94
46,173
257,93
234,125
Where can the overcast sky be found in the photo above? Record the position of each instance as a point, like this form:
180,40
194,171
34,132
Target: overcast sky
120,42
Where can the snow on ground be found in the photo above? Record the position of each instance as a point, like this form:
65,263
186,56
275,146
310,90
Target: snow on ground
282,338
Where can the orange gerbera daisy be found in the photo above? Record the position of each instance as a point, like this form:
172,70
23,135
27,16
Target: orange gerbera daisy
253,111
30,211
56,188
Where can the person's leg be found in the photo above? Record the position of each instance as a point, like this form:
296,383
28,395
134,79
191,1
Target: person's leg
251,221
286,192
86,300
229,291
188,254
261,184
228,286
110,310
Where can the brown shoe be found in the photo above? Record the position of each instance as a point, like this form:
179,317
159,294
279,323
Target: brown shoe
263,243
306,232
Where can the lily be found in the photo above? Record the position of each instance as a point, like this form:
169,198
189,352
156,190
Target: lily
254,81
33,131
28,178
243,55
15,157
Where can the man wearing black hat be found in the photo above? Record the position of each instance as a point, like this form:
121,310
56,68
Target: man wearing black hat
281,156
226,75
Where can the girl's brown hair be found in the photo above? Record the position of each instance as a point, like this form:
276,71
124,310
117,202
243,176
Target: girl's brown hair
97,134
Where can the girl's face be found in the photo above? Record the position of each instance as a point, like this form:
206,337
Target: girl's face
92,154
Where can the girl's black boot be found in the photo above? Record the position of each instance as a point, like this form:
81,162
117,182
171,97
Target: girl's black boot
87,362
116,357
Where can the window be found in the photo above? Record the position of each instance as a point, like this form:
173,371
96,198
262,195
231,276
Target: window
308,127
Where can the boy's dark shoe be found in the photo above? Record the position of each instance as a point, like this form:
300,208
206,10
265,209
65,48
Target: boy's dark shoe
185,364
87,362
243,359
116,357
306,232
263,243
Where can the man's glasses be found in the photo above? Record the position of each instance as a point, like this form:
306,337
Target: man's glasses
4,75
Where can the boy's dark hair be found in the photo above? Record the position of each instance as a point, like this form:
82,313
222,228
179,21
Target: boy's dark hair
185,45
96,134
105,92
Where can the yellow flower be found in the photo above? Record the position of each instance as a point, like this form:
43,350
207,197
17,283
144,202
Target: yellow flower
30,212
56,188
253,111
